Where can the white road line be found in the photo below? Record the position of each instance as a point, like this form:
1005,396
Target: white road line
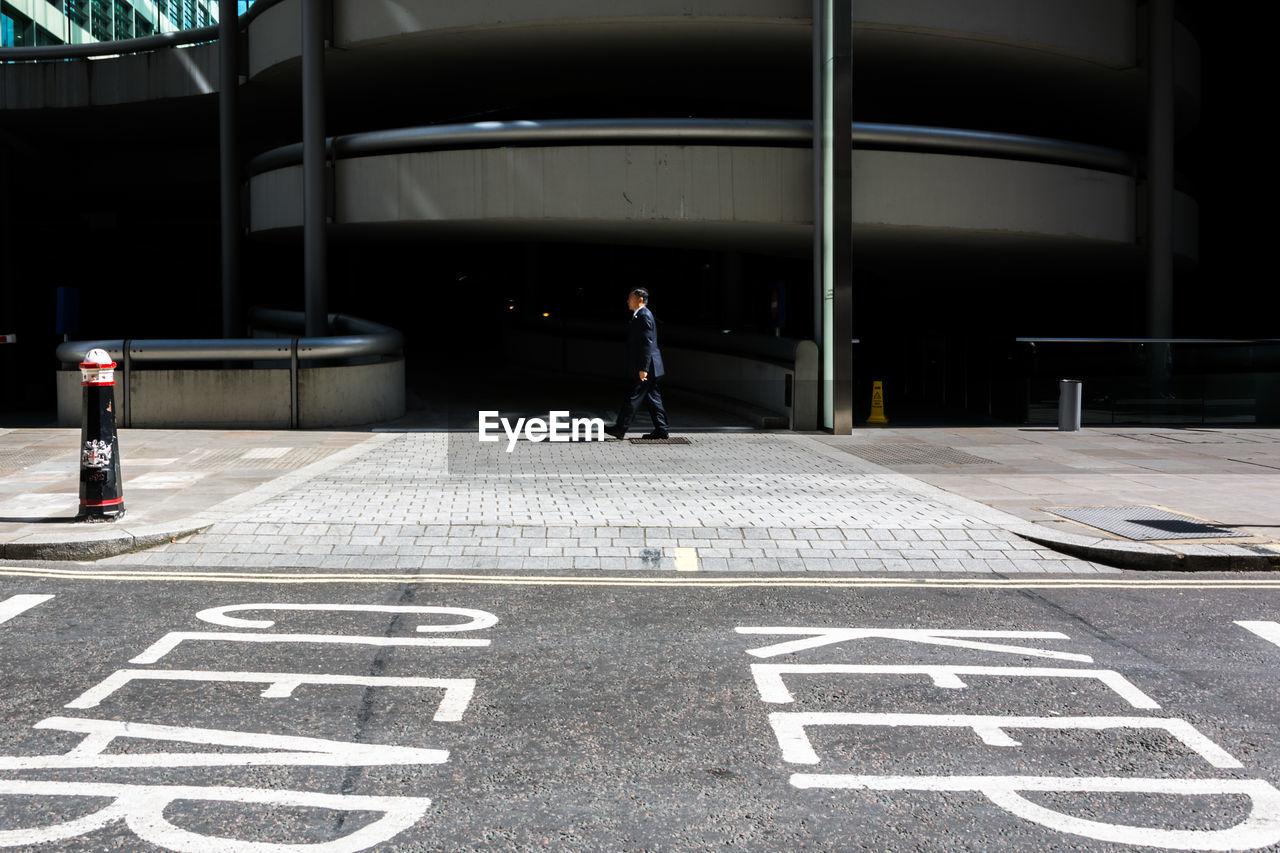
1269,631
16,604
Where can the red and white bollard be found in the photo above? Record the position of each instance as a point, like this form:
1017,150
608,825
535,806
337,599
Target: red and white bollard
101,491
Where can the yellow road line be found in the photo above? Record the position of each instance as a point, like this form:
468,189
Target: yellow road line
702,581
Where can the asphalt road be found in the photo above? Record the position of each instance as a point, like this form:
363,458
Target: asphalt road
624,713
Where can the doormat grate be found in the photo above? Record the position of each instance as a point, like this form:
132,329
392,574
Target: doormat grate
1144,522
891,453
676,440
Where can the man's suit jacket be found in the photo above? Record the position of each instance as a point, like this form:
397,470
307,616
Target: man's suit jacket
642,345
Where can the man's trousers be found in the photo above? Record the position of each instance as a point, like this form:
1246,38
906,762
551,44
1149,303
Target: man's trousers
652,397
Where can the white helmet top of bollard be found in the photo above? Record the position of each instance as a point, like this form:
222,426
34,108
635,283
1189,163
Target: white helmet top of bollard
98,356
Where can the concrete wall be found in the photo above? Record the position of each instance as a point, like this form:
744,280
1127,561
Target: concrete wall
250,399
1103,32
1099,33
178,72
750,193
351,394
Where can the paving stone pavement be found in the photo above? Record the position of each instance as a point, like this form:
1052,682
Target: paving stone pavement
744,503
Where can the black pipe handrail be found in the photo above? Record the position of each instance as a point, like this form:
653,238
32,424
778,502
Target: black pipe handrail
180,38
783,133
1147,340
355,338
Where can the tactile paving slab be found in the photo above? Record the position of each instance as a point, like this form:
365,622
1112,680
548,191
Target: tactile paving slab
1142,523
894,453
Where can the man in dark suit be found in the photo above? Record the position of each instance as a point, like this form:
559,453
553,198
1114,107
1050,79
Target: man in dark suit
644,367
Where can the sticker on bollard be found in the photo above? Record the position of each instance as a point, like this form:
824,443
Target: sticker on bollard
101,491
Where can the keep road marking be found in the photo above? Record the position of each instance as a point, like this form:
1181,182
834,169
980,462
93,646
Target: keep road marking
14,605
1269,631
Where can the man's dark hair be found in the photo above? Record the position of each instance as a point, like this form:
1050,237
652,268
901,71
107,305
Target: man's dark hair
641,292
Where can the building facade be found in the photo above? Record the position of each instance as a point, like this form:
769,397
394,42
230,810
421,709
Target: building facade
494,166
30,23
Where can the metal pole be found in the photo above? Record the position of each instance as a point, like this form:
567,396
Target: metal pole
833,206
1160,190
841,247
314,237
819,189
229,165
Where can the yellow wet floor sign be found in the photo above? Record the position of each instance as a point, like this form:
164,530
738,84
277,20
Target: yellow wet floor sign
877,404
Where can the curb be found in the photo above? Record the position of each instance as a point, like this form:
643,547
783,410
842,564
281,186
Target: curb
1137,555
1108,552
114,544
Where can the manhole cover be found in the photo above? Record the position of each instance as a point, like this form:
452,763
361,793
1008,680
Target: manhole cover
677,440
1144,522
889,453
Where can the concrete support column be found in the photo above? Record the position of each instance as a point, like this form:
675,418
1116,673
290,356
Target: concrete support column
1160,188
833,207
314,170
229,166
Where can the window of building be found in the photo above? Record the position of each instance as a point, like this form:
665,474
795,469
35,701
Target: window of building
123,23
16,29
100,19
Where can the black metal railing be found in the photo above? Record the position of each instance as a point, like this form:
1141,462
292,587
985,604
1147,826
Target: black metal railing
1155,380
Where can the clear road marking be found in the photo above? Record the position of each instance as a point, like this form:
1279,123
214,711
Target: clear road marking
477,619
817,637
773,689
457,691
16,604
170,641
704,580
686,559
1260,829
1269,631
142,808
789,726
274,750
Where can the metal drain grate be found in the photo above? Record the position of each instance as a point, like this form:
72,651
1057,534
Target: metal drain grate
247,457
1144,522
677,440
13,460
890,453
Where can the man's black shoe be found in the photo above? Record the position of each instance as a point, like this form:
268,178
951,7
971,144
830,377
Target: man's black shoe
651,436
616,432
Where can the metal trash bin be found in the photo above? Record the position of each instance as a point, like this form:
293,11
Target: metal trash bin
1070,395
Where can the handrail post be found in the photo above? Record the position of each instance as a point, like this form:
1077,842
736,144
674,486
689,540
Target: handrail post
126,410
293,384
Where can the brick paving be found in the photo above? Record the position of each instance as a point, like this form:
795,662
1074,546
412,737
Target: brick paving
745,503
